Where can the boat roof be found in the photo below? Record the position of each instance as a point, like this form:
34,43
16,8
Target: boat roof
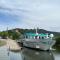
34,34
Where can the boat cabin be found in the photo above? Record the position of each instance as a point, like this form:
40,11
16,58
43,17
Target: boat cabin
36,36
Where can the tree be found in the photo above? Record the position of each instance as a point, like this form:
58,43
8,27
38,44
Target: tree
57,41
4,34
15,35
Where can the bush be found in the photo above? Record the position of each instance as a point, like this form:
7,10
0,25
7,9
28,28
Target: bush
15,35
57,41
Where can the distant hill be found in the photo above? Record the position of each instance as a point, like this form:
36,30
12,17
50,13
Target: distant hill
18,32
22,31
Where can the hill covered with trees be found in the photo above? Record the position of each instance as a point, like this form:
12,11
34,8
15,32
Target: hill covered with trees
17,32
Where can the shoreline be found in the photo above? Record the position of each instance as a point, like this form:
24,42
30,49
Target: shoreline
11,45
2,43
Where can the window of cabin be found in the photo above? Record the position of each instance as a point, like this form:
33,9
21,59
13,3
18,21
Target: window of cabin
42,37
26,36
39,37
35,37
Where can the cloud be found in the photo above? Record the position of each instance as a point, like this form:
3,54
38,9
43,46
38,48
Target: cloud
29,13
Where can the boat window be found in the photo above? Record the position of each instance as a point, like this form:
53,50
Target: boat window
39,37
42,37
26,36
35,37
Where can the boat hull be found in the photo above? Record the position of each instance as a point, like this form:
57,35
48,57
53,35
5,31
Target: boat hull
39,44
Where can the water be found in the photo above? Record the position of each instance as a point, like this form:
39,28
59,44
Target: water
40,55
28,54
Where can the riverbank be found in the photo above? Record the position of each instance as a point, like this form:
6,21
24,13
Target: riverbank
2,43
13,45
10,44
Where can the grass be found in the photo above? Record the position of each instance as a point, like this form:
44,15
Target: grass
2,43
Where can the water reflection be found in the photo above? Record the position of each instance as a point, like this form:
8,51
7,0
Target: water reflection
28,54
34,55
15,55
3,53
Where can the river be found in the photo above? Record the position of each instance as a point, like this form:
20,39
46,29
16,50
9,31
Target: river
28,54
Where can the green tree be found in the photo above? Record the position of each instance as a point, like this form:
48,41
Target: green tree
57,41
15,35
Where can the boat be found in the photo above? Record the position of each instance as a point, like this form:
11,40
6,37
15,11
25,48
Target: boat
42,41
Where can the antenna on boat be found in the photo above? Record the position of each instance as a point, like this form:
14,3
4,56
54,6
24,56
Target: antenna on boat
36,30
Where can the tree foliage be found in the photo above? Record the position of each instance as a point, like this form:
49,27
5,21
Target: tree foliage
3,34
11,34
57,41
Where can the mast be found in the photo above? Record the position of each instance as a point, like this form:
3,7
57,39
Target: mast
36,30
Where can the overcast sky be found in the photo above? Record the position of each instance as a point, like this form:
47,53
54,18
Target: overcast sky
29,14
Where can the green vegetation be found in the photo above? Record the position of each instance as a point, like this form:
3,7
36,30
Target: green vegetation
2,43
57,41
17,33
3,34
57,44
10,34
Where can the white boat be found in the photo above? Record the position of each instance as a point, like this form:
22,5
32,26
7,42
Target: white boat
39,41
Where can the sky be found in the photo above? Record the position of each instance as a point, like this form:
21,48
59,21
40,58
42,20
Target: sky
44,14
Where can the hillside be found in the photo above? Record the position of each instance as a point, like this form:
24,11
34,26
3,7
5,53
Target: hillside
17,33
22,31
